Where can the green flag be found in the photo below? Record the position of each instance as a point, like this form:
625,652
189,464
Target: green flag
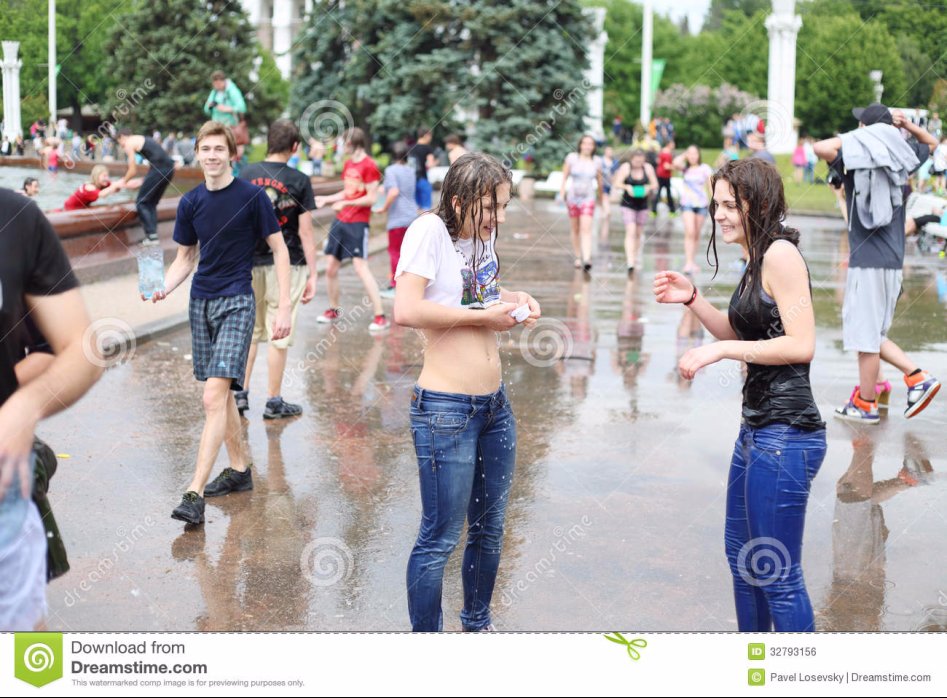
657,71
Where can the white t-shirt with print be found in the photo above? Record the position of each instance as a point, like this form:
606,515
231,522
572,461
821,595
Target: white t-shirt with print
429,252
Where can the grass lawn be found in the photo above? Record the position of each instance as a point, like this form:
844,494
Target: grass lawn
800,197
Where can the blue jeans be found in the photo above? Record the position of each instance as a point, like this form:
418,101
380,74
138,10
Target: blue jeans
466,448
770,475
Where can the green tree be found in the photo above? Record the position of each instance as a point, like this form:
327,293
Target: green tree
736,53
160,57
383,65
623,56
390,66
835,55
719,9
81,30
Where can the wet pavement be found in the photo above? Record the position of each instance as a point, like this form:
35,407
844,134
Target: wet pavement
617,511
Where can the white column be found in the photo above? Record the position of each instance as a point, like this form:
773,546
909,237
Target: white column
595,74
283,35
51,44
647,35
252,8
783,27
12,126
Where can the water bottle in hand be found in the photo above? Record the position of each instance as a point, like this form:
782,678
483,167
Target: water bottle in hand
150,270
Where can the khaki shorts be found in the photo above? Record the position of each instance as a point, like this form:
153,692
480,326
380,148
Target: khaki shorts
266,293
868,309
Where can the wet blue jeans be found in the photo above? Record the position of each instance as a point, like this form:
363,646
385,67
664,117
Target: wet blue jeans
466,448
770,475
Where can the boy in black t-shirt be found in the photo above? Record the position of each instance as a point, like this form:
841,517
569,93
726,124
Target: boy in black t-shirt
290,192
227,217
36,279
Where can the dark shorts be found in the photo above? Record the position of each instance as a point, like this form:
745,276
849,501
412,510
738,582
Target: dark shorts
221,329
347,240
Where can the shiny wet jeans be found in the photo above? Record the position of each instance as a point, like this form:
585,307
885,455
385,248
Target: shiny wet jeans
466,449
770,476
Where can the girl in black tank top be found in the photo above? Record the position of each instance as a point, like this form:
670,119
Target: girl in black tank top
769,325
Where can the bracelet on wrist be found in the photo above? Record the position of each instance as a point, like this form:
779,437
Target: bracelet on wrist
693,295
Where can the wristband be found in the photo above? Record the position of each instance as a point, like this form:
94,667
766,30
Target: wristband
693,296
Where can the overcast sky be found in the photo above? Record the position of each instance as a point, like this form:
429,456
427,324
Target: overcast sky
694,9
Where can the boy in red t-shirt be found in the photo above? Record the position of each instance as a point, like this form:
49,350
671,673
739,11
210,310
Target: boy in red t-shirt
348,236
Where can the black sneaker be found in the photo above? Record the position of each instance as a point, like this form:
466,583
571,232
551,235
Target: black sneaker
191,509
243,400
278,408
228,481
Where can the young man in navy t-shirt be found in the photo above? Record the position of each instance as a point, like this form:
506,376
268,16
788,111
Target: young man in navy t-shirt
225,217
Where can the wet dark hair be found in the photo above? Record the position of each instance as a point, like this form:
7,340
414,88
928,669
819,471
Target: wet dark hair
757,189
472,177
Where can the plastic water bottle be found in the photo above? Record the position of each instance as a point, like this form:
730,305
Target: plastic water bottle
150,270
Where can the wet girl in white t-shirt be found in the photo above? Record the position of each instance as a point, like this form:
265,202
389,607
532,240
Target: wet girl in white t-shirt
463,428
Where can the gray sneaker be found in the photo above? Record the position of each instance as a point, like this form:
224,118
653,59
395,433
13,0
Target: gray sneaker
242,398
191,509
228,481
278,408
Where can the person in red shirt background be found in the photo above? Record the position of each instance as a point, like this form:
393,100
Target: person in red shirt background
98,187
348,236
663,172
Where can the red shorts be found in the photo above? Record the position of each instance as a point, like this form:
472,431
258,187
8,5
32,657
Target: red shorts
583,208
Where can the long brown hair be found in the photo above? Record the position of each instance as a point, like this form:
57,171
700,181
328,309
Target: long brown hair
472,177
758,191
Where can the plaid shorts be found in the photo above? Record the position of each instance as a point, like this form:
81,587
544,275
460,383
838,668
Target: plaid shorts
221,329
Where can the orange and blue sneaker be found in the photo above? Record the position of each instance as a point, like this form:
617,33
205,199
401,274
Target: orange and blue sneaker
922,387
883,395
858,410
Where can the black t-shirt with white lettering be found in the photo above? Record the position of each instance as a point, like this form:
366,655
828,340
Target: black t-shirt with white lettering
290,192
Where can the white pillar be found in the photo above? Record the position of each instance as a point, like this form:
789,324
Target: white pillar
51,44
595,74
283,35
647,37
12,126
783,27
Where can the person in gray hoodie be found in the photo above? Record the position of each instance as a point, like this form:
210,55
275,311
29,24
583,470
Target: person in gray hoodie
874,163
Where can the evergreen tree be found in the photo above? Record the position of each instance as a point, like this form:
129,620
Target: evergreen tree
160,57
390,66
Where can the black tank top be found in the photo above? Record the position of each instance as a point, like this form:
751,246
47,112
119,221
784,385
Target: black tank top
154,153
635,203
772,394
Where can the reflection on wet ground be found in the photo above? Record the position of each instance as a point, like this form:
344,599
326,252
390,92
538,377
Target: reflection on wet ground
616,516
